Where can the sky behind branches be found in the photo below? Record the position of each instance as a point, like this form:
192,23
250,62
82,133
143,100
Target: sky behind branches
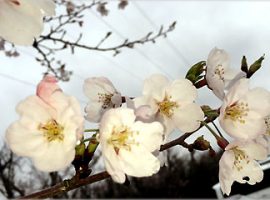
239,27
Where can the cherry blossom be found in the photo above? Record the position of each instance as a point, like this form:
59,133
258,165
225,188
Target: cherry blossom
243,112
21,21
102,96
238,163
172,103
48,128
127,145
218,72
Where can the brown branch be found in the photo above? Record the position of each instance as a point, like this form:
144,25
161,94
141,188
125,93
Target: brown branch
66,186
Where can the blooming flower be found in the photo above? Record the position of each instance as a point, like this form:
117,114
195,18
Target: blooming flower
48,128
172,103
238,164
218,72
102,95
127,145
22,20
243,112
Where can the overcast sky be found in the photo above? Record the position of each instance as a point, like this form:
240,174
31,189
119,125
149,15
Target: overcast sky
241,28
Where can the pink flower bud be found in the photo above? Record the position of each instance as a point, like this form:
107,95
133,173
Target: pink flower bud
47,87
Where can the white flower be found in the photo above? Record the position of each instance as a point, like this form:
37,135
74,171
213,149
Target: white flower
22,20
238,164
127,145
102,95
172,103
218,72
47,131
243,112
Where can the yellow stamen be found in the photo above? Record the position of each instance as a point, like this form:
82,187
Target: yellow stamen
166,107
239,158
52,130
122,137
219,71
106,100
237,112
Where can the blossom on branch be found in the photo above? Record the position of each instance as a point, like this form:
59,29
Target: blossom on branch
21,21
218,72
102,96
50,124
238,164
127,145
243,112
172,103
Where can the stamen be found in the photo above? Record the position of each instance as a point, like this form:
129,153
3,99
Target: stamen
166,107
106,99
122,137
219,71
237,112
52,130
239,158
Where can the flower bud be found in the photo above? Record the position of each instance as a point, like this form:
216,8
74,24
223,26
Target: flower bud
201,144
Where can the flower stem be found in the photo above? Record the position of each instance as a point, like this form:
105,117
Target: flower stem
91,130
220,134
210,129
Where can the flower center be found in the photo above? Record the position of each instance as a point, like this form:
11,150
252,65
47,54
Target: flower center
52,130
219,71
237,112
122,137
166,107
239,158
106,99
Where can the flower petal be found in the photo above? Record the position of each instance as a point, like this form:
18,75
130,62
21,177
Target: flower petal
150,135
188,118
155,86
182,90
138,162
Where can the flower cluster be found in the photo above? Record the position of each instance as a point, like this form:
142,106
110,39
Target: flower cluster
243,116
132,130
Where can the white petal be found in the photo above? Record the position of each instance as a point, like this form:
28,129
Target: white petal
34,111
138,162
20,24
254,125
94,111
225,171
115,118
146,101
254,150
155,86
112,164
252,169
94,86
150,135
259,101
216,84
54,158
47,6
236,92
182,90
24,141
217,57
188,118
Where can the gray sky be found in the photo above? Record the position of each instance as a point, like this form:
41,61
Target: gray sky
241,28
